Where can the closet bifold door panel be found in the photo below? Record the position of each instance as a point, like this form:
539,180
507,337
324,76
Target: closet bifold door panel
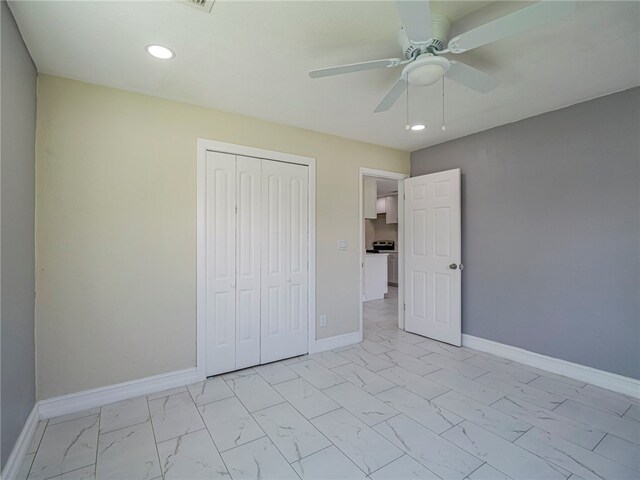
248,234
284,286
256,261
221,262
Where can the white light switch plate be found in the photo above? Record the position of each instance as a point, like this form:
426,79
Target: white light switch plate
342,244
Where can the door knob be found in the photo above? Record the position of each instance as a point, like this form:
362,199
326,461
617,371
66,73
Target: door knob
453,266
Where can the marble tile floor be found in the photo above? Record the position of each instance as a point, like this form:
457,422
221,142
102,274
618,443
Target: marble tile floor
396,406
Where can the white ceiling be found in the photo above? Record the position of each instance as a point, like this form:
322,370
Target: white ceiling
252,58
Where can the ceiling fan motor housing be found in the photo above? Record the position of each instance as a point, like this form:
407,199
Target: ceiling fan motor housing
440,29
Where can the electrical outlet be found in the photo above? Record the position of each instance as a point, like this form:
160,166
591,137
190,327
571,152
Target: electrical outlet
342,244
323,320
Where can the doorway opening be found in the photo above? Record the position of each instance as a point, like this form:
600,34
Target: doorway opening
381,250
428,295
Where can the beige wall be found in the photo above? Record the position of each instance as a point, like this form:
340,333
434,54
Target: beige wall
116,225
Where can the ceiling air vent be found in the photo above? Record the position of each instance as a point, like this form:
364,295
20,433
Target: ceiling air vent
202,5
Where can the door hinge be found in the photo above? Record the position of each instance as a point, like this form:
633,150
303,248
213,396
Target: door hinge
404,307
236,210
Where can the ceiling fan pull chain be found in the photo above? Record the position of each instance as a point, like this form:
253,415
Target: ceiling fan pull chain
444,128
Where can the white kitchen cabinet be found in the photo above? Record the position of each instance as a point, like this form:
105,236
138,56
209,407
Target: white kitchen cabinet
391,209
375,276
392,268
370,197
381,205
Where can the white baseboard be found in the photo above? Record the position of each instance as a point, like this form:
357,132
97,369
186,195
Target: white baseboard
611,381
97,397
14,462
335,342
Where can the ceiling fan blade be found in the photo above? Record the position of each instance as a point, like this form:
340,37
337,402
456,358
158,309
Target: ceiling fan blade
392,96
355,67
416,19
525,19
471,77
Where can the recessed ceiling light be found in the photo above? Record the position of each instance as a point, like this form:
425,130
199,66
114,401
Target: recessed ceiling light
158,51
417,127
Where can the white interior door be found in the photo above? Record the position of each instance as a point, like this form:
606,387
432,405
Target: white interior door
248,228
433,256
284,261
221,262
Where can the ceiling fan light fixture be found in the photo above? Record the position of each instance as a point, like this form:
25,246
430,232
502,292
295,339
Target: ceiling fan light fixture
160,52
427,75
417,127
426,70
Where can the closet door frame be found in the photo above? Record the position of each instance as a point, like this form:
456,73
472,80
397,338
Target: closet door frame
203,146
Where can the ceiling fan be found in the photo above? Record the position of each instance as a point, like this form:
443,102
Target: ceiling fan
423,38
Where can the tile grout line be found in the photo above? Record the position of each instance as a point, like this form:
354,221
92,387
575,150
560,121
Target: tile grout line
599,442
471,473
155,439
626,411
177,436
33,461
126,426
206,427
559,436
261,428
67,473
389,463
562,402
251,415
95,466
526,450
72,419
307,419
31,464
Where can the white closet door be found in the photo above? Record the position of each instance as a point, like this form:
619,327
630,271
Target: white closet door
284,261
296,262
249,198
221,262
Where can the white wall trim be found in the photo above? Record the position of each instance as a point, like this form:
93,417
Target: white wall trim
19,451
611,381
204,145
371,172
338,341
97,397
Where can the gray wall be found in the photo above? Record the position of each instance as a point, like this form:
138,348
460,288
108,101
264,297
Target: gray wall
551,231
18,91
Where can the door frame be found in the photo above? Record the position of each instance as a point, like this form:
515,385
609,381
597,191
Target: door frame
371,172
203,146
